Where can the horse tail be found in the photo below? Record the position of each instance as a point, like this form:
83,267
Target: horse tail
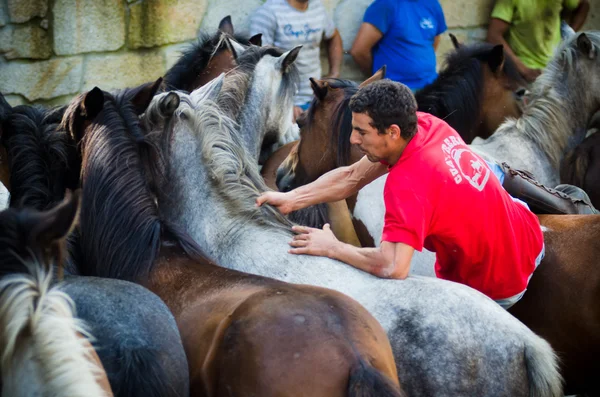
367,381
142,375
574,167
35,315
542,370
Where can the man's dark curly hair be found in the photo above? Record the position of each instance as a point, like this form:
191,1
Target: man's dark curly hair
387,102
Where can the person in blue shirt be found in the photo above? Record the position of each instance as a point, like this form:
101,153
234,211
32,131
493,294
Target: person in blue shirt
403,35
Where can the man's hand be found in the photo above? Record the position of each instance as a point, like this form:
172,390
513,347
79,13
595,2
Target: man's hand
311,241
530,74
297,112
284,202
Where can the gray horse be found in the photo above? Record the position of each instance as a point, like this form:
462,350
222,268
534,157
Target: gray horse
448,339
563,100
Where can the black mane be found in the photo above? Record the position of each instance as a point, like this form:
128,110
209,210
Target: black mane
456,94
194,60
120,225
42,158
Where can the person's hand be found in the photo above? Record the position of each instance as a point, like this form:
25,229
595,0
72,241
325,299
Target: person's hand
333,75
297,112
530,74
284,202
311,241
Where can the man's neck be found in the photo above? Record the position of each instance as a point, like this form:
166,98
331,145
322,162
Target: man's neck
393,158
299,5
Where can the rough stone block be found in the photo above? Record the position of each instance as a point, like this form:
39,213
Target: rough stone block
240,14
593,19
42,79
88,25
3,16
173,52
158,22
23,10
348,16
6,38
466,13
29,41
15,100
116,71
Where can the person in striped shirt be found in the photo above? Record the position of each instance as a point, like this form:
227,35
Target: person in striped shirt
289,23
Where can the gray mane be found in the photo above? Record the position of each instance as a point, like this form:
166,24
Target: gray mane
545,121
229,166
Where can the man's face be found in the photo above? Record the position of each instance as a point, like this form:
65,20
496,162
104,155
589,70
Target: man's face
367,138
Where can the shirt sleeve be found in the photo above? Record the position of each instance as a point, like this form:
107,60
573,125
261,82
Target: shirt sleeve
503,9
263,21
380,14
571,4
406,218
441,19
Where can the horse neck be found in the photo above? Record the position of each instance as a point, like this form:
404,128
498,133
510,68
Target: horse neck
253,121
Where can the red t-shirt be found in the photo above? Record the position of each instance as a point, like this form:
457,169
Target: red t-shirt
441,196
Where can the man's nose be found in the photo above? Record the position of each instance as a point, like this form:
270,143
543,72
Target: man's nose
354,139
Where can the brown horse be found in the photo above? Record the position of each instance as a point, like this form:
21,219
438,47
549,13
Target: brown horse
243,334
561,302
210,56
44,349
581,167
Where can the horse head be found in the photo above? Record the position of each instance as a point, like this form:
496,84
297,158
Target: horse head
260,92
326,124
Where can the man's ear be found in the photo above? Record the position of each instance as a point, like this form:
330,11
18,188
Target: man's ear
395,131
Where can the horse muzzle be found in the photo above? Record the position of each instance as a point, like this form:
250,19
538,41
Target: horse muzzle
285,179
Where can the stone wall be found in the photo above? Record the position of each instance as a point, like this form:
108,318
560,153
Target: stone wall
53,49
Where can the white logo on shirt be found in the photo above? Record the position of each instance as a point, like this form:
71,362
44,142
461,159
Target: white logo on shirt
463,163
426,23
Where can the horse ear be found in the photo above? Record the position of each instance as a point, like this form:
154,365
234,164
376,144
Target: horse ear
144,95
455,42
168,104
209,91
226,26
287,59
586,46
57,223
92,103
256,39
496,58
236,48
319,87
378,75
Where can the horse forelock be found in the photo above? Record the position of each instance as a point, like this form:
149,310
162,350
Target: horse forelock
34,315
548,119
228,164
39,156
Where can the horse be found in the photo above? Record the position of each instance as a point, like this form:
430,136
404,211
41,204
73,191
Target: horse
243,334
562,101
44,348
137,338
207,58
581,167
446,338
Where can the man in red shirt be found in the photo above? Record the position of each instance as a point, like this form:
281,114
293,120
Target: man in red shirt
438,195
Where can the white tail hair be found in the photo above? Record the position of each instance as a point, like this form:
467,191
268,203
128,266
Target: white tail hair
36,316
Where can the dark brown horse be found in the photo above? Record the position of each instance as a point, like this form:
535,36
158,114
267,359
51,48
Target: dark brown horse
207,58
561,302
243,334
581,167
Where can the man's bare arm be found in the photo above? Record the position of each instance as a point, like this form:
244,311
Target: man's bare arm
366,38
579,15
335,54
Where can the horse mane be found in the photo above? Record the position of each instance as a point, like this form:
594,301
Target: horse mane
543,120
456,94
195,58
40,155
576,163
120,224
35,313
229,165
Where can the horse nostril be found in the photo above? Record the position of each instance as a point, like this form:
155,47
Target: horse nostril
283,180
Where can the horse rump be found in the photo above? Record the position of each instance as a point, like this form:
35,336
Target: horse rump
367,381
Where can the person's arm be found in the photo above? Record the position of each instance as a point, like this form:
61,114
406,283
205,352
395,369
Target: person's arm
335,54
579,15
495,35
441,26
436,42
390,260
335,185
366,38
